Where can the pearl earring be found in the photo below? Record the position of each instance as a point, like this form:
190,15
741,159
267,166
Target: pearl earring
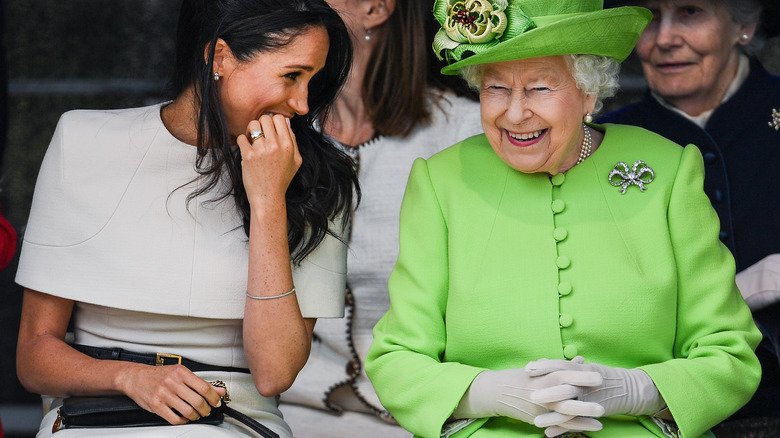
216,75
745,37
368,35
588,118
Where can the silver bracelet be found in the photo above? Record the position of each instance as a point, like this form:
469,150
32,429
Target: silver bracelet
272,296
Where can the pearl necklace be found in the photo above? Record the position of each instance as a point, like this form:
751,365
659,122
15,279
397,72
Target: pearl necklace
586,147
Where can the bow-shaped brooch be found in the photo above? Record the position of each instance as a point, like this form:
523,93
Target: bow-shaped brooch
639,175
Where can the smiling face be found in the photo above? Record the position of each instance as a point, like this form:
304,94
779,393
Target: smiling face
532,113
274,82
690,52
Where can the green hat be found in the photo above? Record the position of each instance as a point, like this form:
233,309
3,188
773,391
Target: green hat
486,31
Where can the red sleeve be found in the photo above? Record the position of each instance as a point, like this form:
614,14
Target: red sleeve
7,242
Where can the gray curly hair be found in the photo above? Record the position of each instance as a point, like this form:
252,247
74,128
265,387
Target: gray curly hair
746,13
595,75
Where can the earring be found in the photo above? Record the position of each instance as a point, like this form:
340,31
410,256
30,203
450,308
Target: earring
745,37
588,118
216,75
368,35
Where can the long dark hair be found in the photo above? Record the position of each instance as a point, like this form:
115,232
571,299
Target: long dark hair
323,186
402,69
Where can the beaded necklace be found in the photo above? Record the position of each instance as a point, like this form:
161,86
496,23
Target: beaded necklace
587,146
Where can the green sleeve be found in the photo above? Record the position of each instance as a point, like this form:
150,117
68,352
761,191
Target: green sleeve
404,360
715,370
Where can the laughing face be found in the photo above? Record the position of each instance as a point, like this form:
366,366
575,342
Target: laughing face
532,113
690,52
274,82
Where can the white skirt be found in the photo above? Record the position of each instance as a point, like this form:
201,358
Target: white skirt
212,341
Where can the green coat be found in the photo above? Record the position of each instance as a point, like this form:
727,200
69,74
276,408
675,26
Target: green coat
498,268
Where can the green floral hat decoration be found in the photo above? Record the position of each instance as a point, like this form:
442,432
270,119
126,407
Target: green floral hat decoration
485,31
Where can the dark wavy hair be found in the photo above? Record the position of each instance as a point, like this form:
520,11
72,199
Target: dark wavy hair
324,186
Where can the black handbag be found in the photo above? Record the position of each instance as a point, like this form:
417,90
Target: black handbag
122,411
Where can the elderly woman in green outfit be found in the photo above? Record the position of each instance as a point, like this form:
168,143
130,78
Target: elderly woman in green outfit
557,277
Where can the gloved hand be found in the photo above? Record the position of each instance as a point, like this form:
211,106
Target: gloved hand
507,393
622,391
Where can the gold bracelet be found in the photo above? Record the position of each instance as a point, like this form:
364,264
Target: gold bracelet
272,296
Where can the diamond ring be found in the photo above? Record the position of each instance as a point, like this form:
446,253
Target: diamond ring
254,135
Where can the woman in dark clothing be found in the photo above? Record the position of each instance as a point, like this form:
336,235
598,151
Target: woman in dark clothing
707,88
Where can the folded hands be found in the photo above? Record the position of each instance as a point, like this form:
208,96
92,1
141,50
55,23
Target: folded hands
561,396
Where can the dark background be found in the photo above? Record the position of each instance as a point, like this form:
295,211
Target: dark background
68,54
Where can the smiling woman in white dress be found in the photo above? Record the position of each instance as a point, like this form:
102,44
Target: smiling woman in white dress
396,107
206,227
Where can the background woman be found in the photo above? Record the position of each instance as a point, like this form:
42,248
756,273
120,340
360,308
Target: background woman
140,222
706,87
395,107
556,276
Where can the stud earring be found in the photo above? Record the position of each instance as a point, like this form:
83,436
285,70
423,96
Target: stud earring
588,118
368,35
745,37
216,75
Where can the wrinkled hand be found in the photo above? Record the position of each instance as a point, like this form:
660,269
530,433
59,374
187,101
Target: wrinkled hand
507,393
269,164
622,391
172,392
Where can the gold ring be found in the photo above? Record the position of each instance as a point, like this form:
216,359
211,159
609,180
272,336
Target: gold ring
254,135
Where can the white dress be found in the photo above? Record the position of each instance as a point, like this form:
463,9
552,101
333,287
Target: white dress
384,165
110,228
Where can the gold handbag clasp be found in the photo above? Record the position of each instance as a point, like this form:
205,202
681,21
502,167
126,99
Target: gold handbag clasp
58,422
221,384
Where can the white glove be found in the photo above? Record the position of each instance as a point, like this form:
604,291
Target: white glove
507,393
623,391
760,283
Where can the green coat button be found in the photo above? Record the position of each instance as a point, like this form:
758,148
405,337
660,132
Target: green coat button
560,234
